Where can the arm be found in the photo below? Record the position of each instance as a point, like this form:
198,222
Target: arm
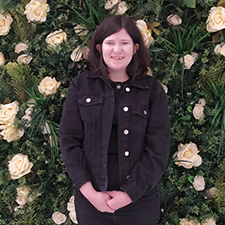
149,169
71,136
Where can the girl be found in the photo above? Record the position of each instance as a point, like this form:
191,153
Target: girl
114,132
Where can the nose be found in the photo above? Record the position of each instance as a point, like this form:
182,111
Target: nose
117,48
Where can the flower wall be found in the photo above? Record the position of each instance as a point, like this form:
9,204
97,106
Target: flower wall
44,45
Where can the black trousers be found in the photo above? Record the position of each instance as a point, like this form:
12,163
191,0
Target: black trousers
144,212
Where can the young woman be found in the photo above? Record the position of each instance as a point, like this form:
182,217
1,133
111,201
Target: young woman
114,132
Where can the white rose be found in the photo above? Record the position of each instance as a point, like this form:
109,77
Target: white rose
202,101
48,86
110,4
216,19
85,51
76,55
184,221
146,34
56,37
59,217
80,31
187,156
220,49
22,195
24,58
70,204
198,112
2,59
36,10
210,221
122,8
5,23
188,61
21,47
199,183
11,133
212,192
174,19
19,166
8,112
73,216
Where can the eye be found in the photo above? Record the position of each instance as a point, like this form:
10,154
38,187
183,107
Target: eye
109,43
125,43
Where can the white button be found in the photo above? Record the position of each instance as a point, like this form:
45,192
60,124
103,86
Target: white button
126,132
127,89
118,86
126,153
128,176
125,109
145,112
88,100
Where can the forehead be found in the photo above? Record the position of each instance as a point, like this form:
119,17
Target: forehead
120,35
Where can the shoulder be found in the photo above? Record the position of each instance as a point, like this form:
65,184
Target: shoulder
80,78
154,85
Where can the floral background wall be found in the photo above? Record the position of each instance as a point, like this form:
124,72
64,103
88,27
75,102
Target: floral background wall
44,45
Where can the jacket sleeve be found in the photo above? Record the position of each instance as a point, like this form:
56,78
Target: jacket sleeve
152,164
71,135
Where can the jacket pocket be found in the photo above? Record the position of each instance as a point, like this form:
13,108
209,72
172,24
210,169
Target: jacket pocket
140,118
90,108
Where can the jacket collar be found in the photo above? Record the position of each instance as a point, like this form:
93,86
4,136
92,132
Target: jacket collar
138,82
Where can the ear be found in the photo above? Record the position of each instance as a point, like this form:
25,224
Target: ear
98,47
136,47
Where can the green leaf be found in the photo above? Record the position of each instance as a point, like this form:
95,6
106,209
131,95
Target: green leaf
189,108
190,3
191,179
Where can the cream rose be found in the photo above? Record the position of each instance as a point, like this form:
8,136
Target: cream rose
220,49
19,166
80,31
76,55
146,34
174,19
48,86
36,10
202,101
73,217
188,60
70,204
216,19
24,58
11,133
5,24
2,59
184,221
187,156
122,8
110,4
22,195
59,217
8,112
56,37
21,47
199,183
212,192
198,112
210,221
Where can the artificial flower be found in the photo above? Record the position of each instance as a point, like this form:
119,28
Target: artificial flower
174,19
187,156
59,217
198,112
199,183
8,112
2,59
220,49
5,24
189,60
185,221
36,10
24,58
210,221
21,47
10,132
19,166
80,31
121,9
110,4
48,86
56,37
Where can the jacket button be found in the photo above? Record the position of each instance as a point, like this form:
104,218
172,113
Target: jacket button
145,112
127,89
118,86
128,176
126,153
88,100
125,109
126,132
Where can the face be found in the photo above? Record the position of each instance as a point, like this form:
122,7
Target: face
117,51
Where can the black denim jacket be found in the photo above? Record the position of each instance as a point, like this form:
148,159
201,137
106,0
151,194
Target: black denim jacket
143,133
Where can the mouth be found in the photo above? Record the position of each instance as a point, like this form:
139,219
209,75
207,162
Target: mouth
117,57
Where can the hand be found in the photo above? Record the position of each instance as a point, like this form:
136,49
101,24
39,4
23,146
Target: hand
97,199
118,199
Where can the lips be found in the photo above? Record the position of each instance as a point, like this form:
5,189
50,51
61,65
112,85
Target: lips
117,57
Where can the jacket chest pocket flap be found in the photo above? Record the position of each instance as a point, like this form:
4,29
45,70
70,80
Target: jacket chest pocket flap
90,108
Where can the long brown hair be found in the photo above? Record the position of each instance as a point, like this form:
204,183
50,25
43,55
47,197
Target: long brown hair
138,65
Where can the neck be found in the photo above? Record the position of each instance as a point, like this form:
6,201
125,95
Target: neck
119,77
